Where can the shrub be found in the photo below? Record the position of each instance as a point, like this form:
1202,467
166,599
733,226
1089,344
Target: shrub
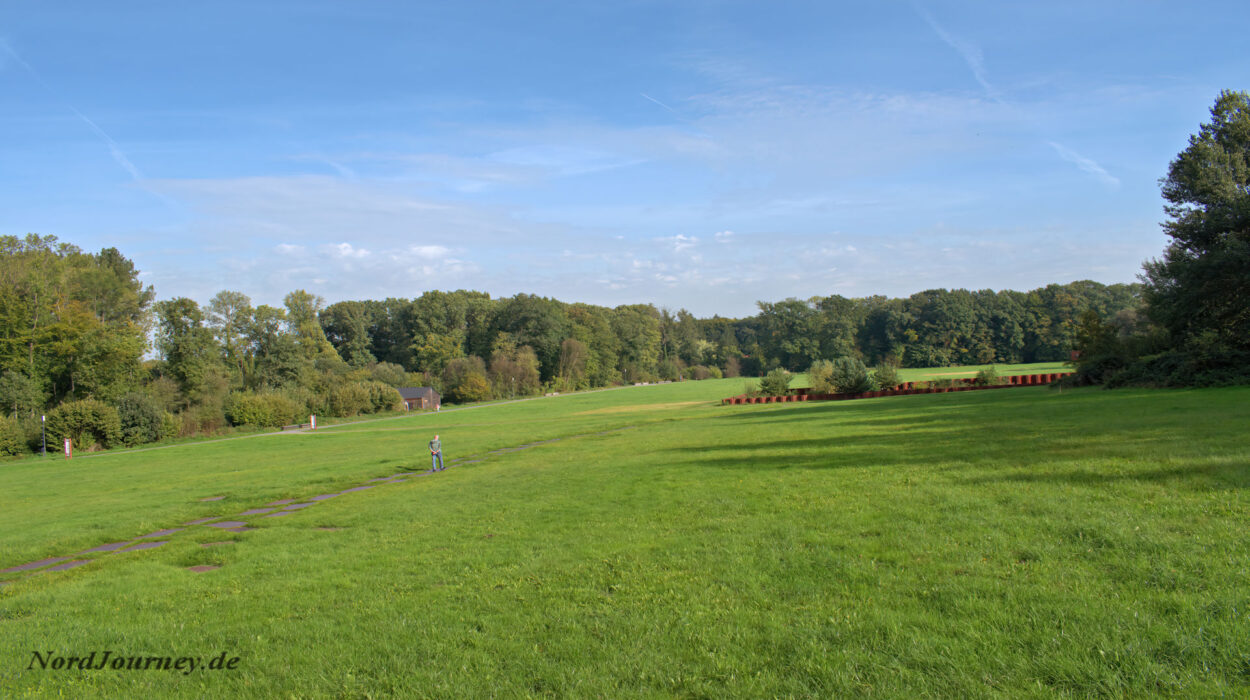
262,410
943,383
698,372
733,367
169,426
87,422
850,376
885,376
473,386
383,397
776,383
350,399
820,377
141,419
714,372
668,370
12,438
988,377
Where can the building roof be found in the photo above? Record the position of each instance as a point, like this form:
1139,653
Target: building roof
418,392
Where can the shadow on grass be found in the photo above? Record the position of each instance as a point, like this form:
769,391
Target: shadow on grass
1230,472
1004,433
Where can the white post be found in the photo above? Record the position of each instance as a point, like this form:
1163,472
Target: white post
69,448
312,422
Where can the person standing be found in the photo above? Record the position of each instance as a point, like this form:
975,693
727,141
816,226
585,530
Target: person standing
436,455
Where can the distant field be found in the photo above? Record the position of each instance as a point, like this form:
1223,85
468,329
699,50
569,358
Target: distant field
1026,542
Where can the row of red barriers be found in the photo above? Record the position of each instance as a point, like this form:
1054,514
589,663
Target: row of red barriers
904,389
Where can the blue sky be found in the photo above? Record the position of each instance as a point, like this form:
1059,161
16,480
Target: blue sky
696,154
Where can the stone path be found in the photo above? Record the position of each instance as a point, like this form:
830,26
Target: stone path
269,510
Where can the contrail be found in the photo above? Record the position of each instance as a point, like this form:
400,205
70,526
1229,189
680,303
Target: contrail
658,102
114,149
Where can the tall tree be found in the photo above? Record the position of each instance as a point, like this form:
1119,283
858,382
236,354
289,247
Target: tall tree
1199,291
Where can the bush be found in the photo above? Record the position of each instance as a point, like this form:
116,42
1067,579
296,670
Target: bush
988,377
350,399
87,422
776,383
471,387
820,377
383,397
850,376
141,419
733,367
885,376
714,372
668,370
12,438
698,373
169,426
262,410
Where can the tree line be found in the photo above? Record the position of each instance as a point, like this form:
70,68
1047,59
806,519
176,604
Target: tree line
76,328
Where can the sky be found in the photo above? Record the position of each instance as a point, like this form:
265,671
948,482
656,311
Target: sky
693,154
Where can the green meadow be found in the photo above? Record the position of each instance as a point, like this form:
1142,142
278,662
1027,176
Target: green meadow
1028,542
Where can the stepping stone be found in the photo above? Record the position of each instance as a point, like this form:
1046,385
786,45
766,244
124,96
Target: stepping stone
201,521
257,511
213,498
298,506
145,545
358,488
106,547
33,565
70,565
282,502
279,514
161,533
227,524
214,544
323,497
202,568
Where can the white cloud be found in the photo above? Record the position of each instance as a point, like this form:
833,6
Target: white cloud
1085,164
723,236
347,250
289,249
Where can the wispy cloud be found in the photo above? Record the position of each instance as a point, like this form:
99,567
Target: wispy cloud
114,150
1087,165
970,52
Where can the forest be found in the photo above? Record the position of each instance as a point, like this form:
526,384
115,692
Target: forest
88,345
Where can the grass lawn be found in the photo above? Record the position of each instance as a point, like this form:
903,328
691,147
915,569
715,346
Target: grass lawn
1025,542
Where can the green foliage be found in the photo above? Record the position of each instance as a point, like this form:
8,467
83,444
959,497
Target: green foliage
383,397
514,372
265,410
350,399
19,394
850,376
464,380
1198,290
885,376
12,437
988,377
820,377
141,417
87,422
776,383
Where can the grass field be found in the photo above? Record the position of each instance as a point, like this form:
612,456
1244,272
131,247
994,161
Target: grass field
1027,542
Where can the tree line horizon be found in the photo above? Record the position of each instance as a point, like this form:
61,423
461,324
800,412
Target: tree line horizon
74,328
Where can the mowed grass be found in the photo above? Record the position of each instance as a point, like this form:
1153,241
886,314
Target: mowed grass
1025,542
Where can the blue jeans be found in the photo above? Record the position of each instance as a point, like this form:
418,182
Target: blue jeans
436,458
